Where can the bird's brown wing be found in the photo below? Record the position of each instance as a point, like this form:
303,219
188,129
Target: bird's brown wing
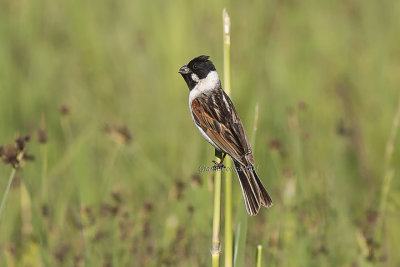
217,117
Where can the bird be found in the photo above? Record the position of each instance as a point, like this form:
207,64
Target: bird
216,118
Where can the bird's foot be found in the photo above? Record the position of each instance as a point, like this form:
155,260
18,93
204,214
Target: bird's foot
218,165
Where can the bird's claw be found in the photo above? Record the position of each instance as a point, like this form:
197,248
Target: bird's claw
218,165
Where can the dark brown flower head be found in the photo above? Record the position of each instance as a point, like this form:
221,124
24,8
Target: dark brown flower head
61,251
21,142
42,136
45,210
116,195
302,105
177,190
342,129
147,206
65,110
10,156
196,180
191,209
109,210
274,144
372,216
14,154
119,133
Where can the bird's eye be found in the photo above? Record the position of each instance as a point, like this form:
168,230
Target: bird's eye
195,66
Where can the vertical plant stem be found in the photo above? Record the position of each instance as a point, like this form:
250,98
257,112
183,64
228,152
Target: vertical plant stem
7,189
253,136
43,152
259,255
228,174
215,249
388,171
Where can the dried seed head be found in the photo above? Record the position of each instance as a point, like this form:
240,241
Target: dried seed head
21,142
371,216
108,210
191,209
302,105
196,180
342,129
275,144
42,136
119,133
177,190
10,156
116,195
65,110
101,234
45,210
125,228
146,229
147,206
14,154
61,251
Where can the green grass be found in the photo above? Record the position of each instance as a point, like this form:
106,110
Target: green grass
325,76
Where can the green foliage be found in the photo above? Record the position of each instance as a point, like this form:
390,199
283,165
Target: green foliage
325,76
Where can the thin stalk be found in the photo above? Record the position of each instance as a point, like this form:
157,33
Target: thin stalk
389,171
259,256
12,174
253,136
43,152
3,201
228,174
216,247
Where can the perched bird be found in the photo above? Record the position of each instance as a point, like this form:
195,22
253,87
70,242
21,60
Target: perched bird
217,120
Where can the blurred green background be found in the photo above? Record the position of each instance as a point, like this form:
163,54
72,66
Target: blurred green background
325,75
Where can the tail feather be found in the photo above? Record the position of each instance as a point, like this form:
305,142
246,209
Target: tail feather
266,200
253,190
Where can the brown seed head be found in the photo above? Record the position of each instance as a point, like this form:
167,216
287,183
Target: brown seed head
10,156
275,144
196,180
119,133
65,110
42,136
21,142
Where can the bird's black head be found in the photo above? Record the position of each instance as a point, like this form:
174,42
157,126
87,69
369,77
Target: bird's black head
197,69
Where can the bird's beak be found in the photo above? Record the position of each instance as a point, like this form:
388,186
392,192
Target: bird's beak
184,70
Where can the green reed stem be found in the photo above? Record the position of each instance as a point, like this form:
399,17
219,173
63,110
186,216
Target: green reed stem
388,171
3,201
43,153
216,247
228,175
259,256
14,170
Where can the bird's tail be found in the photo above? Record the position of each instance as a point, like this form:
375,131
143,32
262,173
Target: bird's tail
254,193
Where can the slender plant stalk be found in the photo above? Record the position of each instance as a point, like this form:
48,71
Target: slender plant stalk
259,256
14,170
43,152
228,175
253,136
3,201
389,172
215,249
